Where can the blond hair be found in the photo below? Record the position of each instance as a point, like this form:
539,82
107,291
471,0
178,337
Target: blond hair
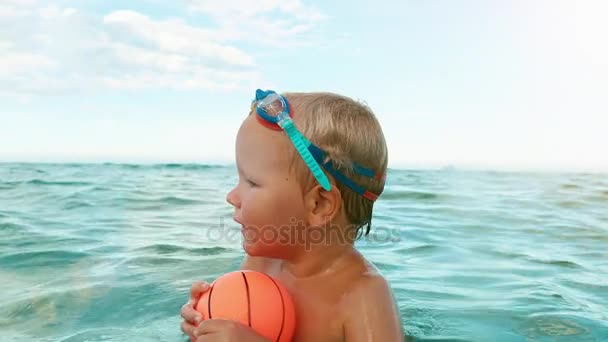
350,133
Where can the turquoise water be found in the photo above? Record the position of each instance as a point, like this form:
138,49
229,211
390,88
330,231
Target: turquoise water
108,252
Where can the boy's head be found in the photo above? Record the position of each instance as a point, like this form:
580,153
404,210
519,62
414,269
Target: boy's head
277,188
350,134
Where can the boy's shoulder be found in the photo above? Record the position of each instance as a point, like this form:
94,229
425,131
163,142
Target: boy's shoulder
370,309
370,283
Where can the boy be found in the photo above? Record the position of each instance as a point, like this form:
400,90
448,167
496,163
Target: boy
310,189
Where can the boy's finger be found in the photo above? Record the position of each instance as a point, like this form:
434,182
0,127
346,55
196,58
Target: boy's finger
197,289
190,315
187,329
211,326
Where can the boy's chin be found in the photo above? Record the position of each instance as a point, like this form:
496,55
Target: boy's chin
263,250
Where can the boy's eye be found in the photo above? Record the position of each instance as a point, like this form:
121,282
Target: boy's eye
251,183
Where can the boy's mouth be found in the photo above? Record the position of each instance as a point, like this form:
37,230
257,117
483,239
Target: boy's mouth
235,219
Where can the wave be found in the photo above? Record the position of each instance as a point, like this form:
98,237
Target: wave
10,228
415,195
45,183
189,166
167,200
570,186
71,205
175,249
183,166
49,258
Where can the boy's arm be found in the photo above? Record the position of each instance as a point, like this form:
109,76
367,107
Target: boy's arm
371,313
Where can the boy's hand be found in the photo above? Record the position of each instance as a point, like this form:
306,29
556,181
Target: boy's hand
192,318
220,330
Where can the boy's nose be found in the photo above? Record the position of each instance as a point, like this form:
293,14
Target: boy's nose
233,199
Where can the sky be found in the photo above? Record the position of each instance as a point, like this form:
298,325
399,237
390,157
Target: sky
500,85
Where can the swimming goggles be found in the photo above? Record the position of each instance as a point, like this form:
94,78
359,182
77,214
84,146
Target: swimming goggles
274,112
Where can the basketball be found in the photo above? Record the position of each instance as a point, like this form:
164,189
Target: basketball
254,299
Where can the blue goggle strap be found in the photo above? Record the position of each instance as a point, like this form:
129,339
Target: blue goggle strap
319,156
302,146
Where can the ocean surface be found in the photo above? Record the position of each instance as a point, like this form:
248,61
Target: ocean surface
107,252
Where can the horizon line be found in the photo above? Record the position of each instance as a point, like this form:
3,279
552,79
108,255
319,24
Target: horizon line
401,166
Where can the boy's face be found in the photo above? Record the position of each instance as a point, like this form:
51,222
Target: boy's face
268,199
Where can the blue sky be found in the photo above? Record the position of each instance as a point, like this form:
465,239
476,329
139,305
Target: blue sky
474,84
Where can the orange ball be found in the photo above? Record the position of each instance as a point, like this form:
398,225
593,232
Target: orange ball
254,299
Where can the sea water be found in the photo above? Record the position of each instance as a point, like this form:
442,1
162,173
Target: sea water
107,252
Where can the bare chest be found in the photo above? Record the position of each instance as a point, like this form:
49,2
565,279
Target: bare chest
318,319
318,311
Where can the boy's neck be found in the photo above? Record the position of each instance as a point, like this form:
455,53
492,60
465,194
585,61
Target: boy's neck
319,259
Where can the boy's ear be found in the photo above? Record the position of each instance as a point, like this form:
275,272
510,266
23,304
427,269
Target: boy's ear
323,206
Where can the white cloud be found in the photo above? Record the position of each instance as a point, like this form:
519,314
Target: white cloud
267,22
20,66
52,48
5,45
227,9
16,8
54,11
177,37
208,79
15,64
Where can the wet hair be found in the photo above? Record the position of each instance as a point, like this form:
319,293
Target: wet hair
350,133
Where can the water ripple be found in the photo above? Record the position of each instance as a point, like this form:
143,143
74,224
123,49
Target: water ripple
108,251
